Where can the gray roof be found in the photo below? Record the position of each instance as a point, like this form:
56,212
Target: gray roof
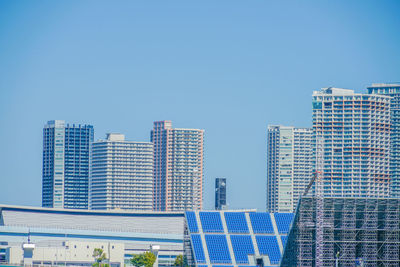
112,221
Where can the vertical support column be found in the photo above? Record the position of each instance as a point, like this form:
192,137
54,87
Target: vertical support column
319,227
253,239
228,239
203,239
276,232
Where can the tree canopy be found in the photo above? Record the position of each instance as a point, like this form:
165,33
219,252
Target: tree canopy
99,256
146,259
180,261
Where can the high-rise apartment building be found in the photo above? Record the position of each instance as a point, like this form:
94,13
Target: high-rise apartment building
355,130
289,166
392,90
122,174
220,193
178,167
66,165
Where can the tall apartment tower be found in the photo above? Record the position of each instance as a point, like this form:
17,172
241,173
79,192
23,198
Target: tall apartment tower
66,165
220,193
122,174
392,90
289,166
178,167
355,129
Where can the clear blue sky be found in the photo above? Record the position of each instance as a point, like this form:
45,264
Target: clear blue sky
229,67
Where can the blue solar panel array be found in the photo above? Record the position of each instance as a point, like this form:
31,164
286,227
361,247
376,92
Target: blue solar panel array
261,223
236,222
238,231
242,247
191,221
283,221
284,239
211,222
198,249
268,245
218,249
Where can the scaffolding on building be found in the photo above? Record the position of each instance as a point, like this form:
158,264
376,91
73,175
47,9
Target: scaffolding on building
355,232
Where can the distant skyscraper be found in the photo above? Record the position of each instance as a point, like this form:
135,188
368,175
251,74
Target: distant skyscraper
66,165
355,129
220,193
122,174
178,167
392,90
289,166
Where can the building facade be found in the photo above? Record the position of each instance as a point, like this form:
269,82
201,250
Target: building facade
66,165
355,130
289,166
122,174
392,90
69,237
220,193
178,167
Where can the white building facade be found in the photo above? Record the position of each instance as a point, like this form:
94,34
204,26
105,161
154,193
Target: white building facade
122,174
355,129
289,166
68,237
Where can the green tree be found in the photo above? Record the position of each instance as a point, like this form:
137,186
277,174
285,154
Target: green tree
137,260
180,261
149,259
99,256
146,259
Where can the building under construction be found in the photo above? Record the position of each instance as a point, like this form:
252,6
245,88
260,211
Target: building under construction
344,232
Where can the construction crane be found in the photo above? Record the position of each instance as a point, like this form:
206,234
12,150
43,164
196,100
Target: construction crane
319,198
319,162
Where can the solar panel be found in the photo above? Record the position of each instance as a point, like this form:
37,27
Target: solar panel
261,223
283,221
236,222
242,247
191,221
211,222
218,249
268,245
198,249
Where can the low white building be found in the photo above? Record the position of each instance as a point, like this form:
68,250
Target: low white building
67,252
70,236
